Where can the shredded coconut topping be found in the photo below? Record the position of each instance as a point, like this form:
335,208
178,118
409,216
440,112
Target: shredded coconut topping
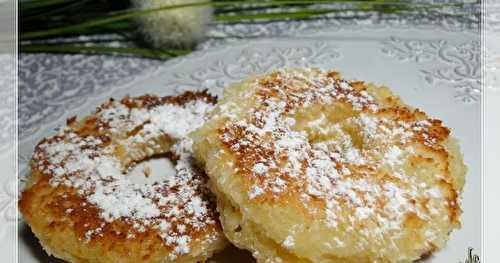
284,156
91,164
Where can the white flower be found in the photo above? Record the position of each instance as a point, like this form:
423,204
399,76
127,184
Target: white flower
180,27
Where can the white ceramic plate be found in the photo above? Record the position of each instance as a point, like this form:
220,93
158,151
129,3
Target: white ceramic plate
434,70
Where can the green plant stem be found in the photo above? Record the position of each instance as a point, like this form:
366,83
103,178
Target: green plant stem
112,28
142,52
307,13
56,10
39,4
134,13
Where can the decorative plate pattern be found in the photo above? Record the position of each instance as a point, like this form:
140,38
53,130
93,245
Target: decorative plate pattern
220,74
462,69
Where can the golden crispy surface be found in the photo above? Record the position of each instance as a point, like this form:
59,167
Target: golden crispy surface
82,207
309,167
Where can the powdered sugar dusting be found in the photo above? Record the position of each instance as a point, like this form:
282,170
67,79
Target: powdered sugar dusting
289,242
337,160
89,164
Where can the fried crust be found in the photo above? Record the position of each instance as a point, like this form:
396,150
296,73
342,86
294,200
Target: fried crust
71,228
275,151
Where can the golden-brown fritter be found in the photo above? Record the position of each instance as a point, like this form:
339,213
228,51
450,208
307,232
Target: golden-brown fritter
81,205
310,167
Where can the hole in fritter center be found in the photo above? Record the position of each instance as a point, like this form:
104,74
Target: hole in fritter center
152,170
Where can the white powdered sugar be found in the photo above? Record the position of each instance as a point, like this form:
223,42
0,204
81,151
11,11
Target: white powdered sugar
89,165
177,121
171,119
289,242
260,168
255,191
340,168
392,156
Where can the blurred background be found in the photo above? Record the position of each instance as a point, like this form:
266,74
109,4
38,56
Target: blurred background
168,28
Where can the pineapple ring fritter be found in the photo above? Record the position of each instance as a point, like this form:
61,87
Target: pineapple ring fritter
83,207
310,167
